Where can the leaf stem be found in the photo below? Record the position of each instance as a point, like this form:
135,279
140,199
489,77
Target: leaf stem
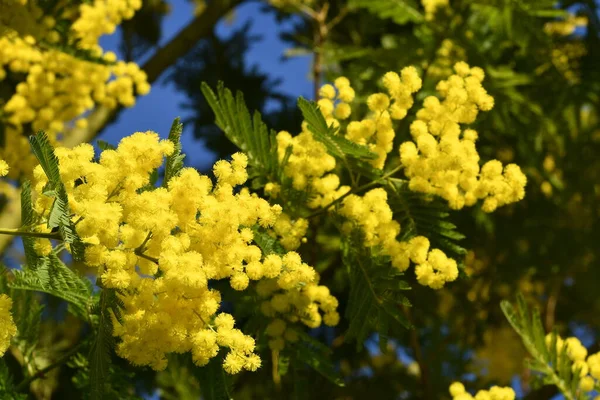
17,232
40,374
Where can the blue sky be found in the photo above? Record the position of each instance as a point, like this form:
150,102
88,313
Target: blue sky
157,110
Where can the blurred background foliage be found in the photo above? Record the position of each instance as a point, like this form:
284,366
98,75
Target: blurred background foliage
542,64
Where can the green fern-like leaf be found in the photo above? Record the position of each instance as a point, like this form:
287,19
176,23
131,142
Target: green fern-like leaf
376,294
175,160
317,356
249,133
267,243
399,11
8,389
59,216
215,384
337,146
27,312
41,147
103,145
55,278
27,221
420,215
553,363
100,356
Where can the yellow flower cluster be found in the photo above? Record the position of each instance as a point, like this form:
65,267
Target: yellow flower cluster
102,17
446,56
566,59
589,371
57,87
307,166
566,26
431,7
161,246
285,299
458,392
442,160
8,328
290,231
377,130
374,217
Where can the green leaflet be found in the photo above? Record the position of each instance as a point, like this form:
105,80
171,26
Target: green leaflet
105,145
215,384
337,146
8,389
55,278
175,160
553,363
376,293
419,215
249,133
399,11
27,312
60,216
103,343
27,221
41,147
317,356
267,243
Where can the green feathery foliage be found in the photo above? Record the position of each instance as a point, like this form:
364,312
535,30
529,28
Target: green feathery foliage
425,216
53,277
105,145
553,363
267,243
175,160
8,389
317,356
376,297
215,384
100,356
249,133
27,222
399,11
59,213
337,146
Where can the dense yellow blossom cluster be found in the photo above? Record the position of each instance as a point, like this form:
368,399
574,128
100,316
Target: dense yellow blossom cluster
458,392
56,88
374,217
377,129
8,328
161,246
308,167
297,305
448,54
565,26
566,59
431,7
290,231
101,17
442,159
589,371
